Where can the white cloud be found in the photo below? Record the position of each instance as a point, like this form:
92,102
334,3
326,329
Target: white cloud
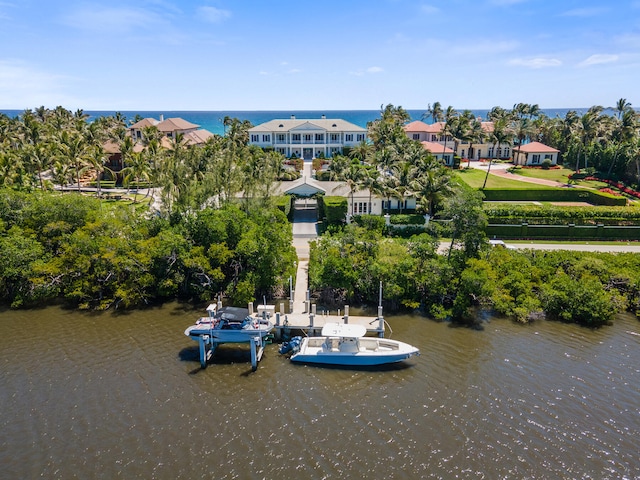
24,86
369,70
538,62
429,9
213,14
598,59
112,20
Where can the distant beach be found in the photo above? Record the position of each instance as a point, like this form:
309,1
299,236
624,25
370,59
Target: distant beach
212,120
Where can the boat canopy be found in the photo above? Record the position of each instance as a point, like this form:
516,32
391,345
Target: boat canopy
343,330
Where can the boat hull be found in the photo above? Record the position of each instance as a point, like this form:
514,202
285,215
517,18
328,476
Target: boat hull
369,352
220,335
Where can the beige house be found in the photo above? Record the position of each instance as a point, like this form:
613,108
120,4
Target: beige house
534,153
439,151
169,128
423,132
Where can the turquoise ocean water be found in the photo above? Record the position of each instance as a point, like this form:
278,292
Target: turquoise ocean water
212,120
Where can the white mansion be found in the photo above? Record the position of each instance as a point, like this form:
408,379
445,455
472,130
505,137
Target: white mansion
307,138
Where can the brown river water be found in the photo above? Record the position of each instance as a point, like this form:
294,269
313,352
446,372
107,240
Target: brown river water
123,396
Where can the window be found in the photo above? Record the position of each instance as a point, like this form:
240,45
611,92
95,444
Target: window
434,138
348,137
361,137
490,152
462,153
138,134
281,137
282,151
535,158
506,151
319,137
416,136
255,138
547,156
296,137
307,137
335,137
447,158
266,138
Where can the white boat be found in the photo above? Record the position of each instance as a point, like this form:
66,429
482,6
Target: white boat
346,344
229,325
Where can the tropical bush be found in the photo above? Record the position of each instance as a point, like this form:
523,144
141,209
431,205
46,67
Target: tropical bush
74,248
579,287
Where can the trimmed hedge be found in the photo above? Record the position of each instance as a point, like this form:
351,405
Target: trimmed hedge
284,203
332,210
563,232
407,219
553,195
561,215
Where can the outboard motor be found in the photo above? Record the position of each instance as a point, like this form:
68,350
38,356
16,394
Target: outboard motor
291,346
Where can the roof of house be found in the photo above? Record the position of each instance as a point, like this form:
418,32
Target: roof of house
145,122
535,147
198,137
112,147
174,124
436,148
328,124
418,126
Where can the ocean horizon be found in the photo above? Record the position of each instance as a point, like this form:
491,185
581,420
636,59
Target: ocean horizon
211,120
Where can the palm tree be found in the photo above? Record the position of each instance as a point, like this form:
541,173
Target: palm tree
435,112
623,133
352,177
586,130
500,135
138,169
404,173
362,151
432,186
449,116
622,106
74,149
475,134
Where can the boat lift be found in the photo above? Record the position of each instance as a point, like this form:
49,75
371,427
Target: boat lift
207,343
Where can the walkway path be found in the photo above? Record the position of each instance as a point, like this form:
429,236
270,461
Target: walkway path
305,220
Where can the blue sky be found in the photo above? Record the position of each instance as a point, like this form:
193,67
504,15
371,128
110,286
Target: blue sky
331,54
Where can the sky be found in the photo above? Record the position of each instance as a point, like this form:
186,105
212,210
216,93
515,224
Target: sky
317,55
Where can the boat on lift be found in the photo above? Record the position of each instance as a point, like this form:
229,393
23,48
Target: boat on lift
347,345
230,325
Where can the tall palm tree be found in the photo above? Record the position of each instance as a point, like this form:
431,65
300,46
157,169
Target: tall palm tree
432,186
623,134
352,176
138,169
500,135
436,113
622,106
475,134
74,149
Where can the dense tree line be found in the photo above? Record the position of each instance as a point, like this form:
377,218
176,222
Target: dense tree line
75,248
585,288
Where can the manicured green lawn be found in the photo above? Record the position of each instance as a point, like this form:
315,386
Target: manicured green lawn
558,175
475,178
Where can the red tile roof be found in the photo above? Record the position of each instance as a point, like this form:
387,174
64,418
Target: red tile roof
535,147
436,148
